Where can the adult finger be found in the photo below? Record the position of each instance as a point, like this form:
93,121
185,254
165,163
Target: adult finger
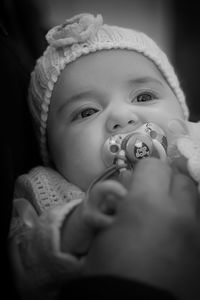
101,204
108,188
184,193
180,165
151,177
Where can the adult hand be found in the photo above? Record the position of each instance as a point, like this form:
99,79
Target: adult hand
79,228
154,232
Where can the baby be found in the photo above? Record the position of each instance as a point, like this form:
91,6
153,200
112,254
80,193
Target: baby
101,98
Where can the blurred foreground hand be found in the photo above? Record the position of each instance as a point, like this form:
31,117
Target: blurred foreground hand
151,232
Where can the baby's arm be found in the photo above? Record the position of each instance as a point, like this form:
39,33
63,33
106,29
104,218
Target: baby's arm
49,232
39,265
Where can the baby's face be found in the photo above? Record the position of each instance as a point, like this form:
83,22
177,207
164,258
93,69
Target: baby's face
100,95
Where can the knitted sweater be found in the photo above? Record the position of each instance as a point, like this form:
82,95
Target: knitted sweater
43,199
188,146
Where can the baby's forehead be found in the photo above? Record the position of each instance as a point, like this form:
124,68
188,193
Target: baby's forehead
105,75
108,67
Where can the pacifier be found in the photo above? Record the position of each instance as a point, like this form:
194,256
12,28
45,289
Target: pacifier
126,149
121,152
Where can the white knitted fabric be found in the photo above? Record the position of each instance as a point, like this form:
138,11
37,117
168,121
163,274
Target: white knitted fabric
46,189
81,35
185,142
189,146
43,199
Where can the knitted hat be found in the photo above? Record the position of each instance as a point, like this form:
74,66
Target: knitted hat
81,35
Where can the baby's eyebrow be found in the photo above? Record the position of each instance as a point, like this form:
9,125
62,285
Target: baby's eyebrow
78,97
143,80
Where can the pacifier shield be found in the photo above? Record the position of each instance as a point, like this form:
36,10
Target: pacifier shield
138,146
149,140
141,150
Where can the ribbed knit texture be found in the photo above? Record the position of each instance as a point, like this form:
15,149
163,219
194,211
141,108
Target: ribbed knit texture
45,189
189,147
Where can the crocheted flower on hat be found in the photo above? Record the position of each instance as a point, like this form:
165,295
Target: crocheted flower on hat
75,30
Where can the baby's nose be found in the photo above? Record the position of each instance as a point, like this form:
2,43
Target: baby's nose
120,120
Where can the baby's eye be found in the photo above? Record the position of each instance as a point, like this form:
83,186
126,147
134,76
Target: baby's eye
85,113
144,97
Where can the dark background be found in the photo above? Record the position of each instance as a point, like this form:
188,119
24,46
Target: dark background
187,51
175,25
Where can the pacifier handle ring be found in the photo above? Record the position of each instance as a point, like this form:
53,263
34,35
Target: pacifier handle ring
160,149
108,172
